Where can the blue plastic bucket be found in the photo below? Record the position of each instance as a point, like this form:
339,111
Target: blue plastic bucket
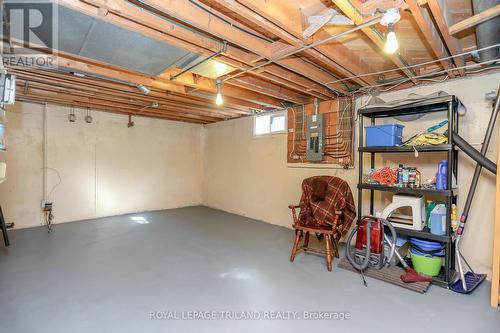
426,245
384,135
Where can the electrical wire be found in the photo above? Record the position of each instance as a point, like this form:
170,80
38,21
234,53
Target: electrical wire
197,4
370,88
56,185
414,66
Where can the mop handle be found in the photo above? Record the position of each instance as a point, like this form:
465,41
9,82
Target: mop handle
477,171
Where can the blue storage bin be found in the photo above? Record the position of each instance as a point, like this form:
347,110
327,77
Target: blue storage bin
384,135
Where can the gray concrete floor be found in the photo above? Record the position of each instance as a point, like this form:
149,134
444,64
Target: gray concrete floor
108,275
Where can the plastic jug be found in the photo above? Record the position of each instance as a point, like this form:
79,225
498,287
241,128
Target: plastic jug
429,206
438,220
441,175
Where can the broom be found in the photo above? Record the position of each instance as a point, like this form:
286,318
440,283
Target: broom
410,274
470,280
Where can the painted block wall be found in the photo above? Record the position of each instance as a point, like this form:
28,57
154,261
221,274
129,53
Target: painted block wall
261,185
105,167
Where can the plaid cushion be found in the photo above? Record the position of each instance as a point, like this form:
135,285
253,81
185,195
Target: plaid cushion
338,197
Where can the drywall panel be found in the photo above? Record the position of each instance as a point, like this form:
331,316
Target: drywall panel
21,193
248,175
105,168
153,165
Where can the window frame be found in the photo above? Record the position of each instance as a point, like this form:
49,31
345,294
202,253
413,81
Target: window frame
273,114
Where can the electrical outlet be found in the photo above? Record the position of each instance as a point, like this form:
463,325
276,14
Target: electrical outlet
46,206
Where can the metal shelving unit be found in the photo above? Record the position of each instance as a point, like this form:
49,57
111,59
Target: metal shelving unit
447,105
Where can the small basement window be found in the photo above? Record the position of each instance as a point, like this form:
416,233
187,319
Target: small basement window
270,123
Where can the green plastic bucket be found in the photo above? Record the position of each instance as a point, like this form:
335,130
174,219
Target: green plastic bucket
426,263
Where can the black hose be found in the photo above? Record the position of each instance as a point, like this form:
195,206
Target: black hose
479,157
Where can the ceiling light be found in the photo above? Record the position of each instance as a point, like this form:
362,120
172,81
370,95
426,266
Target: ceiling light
391,43
389,19
142,88
218,98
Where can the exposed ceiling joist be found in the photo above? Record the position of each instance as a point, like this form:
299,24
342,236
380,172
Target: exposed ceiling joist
350,8
432,38
335,56
439,12
231,106
132,17
475,20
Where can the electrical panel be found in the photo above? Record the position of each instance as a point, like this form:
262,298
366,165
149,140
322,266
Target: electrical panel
7,88
315,138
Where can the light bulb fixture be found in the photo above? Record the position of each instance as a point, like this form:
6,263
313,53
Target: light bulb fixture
72,116
218,98
88,117
391,43
390,18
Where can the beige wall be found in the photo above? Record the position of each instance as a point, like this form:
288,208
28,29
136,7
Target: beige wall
105,167
261,185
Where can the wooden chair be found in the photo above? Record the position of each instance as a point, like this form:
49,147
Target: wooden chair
331,235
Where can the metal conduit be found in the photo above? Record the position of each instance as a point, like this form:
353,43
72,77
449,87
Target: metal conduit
303,48
224,48
274,60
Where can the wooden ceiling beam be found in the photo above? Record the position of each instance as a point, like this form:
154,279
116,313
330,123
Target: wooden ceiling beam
46,100
187,13
96,85
60,78
121,98
431,35
201,83
351,9
475,20
85,65
280,12
439,12
131,17
44,97
335,56
270,89
294,86
76,97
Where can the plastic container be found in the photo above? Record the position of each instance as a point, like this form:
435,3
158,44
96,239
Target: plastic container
425,263
442,175
429,206
427,245
384,135
438,220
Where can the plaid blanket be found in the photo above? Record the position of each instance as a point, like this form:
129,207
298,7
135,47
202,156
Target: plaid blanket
338,197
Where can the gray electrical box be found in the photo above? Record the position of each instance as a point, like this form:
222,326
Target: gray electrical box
315,138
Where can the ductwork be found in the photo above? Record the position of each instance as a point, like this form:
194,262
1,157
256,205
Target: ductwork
488,32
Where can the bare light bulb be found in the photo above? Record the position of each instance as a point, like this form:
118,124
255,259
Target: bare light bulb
218,99
391,43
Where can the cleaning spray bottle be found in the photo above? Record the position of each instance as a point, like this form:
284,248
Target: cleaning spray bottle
454,220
